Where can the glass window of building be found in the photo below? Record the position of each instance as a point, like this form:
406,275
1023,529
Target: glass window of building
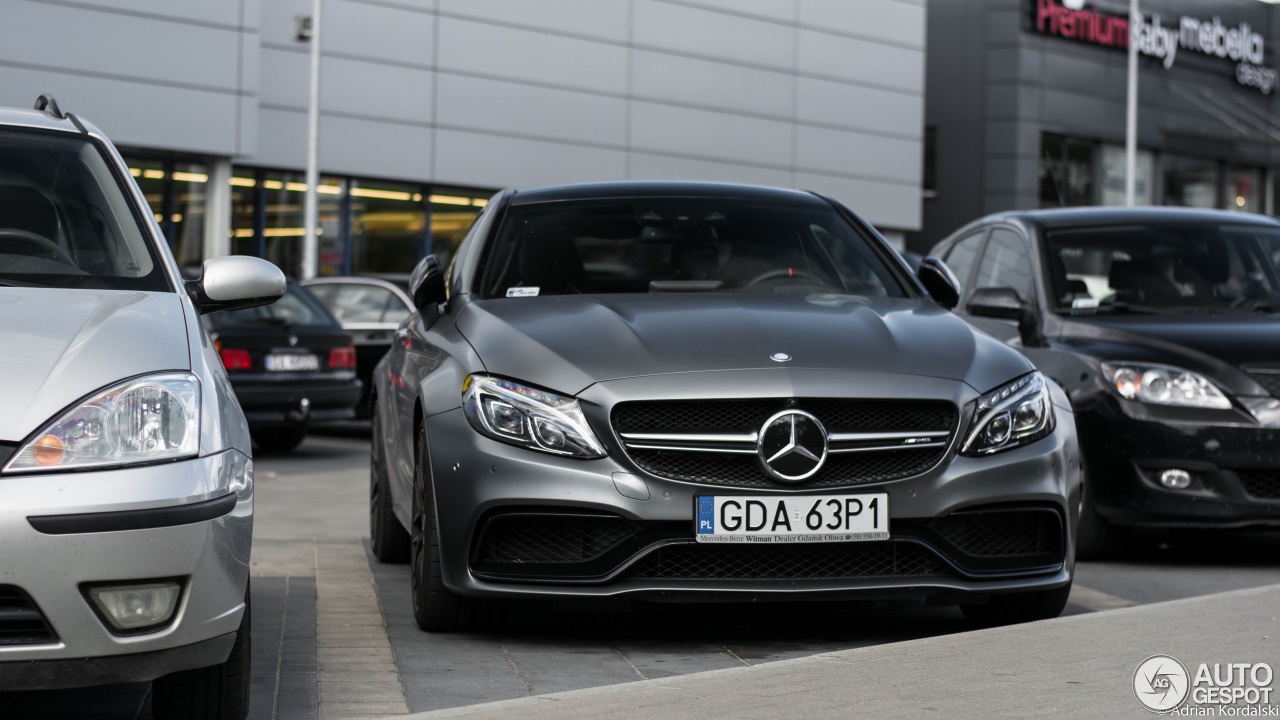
1189,182
1244,189
388,227
245,202
452,212
1066,171
1113,164
283,227
186,220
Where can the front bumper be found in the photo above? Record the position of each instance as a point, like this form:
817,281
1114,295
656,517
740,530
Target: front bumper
478,480
162,529
1234,463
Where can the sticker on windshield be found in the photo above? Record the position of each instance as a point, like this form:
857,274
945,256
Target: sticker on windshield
522,292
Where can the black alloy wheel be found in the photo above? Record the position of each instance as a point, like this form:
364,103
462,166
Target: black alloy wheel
389,538
435,607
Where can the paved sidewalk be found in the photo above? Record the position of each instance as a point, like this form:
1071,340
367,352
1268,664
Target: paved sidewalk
1080,666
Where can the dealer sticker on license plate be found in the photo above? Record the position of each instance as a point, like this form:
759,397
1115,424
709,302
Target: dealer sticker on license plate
294,362
795,519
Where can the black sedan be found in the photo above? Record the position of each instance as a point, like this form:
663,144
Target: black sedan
1161,325
290,363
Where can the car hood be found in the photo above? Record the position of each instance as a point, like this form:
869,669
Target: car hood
1233,338
566,343
56,346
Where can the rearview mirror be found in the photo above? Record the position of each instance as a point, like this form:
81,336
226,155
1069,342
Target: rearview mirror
234,282
426,284
998,302
940,282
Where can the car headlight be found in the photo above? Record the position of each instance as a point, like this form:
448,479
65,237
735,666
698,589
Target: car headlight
1010,416
146,419
1164,385
518,414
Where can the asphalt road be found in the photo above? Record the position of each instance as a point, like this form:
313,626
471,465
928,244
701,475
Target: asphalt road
334,635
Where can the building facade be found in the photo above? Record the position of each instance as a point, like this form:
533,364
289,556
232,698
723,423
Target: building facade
1026,106
428,106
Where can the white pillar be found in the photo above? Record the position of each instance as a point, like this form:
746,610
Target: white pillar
217,209
310,243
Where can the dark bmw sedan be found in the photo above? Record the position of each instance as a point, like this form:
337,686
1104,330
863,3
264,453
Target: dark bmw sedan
1161,325
681,391
290,364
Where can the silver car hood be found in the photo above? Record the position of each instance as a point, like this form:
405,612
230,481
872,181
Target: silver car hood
56,346
568,342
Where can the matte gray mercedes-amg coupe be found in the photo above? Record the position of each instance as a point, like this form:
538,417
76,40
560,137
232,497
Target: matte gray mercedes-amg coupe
686,391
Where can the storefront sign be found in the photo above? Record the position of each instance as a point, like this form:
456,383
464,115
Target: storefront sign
1161,38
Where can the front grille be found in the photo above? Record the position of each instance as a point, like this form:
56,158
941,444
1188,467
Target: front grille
1269,379
844,561
743,471
745,416
1002,534
21,622
738,421
553,538
1261,484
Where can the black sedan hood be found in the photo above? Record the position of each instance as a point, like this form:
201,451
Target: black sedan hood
567,343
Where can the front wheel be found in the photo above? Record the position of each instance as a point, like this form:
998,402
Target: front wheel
1096,538
388,537
1019,607
435,607
220,692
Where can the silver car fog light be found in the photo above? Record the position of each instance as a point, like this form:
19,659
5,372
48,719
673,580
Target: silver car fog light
521,415
129,608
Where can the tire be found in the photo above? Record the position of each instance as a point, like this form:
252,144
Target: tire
1096,538
435,607
281,439
388,537
1021,607
220,692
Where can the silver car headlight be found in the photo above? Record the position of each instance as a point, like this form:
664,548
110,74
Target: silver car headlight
1012,415
145,419
1164,385
536,419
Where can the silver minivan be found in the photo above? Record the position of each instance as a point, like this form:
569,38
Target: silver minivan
126,480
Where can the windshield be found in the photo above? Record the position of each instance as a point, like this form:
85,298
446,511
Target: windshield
1183,266
642,245
65,220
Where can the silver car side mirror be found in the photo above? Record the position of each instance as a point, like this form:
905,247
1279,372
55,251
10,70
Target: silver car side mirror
234,282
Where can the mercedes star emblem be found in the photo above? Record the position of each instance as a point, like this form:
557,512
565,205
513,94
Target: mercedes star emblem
792,446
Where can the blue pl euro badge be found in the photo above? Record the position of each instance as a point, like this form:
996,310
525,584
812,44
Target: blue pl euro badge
706,516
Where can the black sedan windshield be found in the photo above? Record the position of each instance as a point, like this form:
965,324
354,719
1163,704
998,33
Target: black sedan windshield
65,220
1184,266
641,245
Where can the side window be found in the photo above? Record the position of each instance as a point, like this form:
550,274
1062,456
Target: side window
962,256
396,310
361,303
1006,264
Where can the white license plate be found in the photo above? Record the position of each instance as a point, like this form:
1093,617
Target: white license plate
793,519
292,362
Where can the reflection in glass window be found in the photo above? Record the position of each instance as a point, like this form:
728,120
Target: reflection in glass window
1244,189
1113,164
452,213
1066,171
187,218
283,226
1189,182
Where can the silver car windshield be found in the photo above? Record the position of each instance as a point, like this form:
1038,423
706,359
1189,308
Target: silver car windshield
65,220
640,245
1183,266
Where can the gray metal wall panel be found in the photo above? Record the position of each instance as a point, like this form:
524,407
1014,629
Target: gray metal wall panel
467,103
469,159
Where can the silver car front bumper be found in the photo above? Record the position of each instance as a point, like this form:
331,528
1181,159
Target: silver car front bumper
190,520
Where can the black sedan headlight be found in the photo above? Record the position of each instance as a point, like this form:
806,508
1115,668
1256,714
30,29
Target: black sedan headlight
513,413
1012,415
1164,385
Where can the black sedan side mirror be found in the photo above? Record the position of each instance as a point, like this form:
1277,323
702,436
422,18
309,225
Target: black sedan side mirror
997,302
941,283
426,284
1006,304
